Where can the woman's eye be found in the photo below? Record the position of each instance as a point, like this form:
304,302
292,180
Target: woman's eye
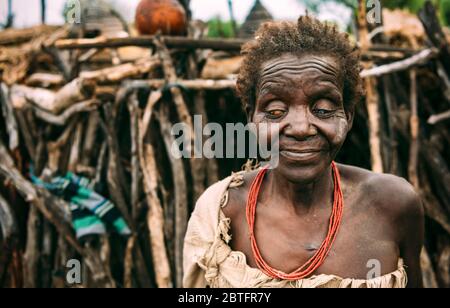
274,114
322,112
324,108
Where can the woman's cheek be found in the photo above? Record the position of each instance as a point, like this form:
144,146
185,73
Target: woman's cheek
267,135
268,131
340,132
258,117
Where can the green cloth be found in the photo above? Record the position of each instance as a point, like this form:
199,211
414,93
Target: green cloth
91,212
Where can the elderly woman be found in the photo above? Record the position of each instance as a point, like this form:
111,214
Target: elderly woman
309,222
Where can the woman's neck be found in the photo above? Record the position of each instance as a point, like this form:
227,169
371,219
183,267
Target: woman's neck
300,197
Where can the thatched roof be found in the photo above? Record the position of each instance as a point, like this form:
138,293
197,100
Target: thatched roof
258,15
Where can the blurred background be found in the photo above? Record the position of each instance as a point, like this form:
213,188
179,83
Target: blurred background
27,13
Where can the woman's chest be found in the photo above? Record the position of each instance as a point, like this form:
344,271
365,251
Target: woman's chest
364,248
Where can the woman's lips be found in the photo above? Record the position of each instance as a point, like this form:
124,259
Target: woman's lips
300,155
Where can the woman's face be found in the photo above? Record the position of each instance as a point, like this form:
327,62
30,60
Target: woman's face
303,95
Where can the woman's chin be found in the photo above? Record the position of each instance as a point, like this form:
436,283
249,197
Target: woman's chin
302,173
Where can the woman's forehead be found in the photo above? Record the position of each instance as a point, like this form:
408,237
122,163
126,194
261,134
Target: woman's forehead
290,67
299,63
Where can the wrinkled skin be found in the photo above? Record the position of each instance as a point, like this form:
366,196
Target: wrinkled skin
383,216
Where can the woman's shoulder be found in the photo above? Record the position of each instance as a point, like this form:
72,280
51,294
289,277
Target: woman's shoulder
392,193
216,195
228,195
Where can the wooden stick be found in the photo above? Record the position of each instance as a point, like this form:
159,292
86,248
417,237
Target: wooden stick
432,207
26,132
439,169
54,151
435,163
181,212
45,80
196,84
18,36
62,254
418,59
88,54
49,207
118,73
429,277
171,77
136,125
199,179
47,251
19,59
147,41
207,167
155,217
8,222
439,128
391,107
142,276
55,102
445,79
391,49
136,177
209,84
444,266
437,118
371,95
90,138
60,62
10,119
104,252
116,161
31,256
182,43
181,197
116,175
430,21
42,98
39,159
135,168
101,162
74,155
382,56
128,263
414,125
61,120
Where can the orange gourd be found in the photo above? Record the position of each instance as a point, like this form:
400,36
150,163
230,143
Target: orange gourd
167,16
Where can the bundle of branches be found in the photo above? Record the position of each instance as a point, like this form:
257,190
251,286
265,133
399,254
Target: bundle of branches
104,115
104,112
407,108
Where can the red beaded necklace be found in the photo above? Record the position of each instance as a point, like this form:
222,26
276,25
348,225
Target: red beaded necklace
319,257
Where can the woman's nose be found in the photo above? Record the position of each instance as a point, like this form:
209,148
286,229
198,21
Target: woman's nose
299,125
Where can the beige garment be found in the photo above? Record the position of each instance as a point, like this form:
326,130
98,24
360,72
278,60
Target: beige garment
209,260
